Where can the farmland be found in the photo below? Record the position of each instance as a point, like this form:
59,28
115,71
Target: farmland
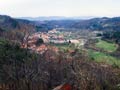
104,58
110,47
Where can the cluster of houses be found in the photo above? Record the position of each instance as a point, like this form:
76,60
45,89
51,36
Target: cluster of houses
52,36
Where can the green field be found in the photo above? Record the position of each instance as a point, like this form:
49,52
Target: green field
101,57
110,47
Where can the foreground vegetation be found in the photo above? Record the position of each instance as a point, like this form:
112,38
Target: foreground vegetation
21,69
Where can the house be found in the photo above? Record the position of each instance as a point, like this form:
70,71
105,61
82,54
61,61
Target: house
74,41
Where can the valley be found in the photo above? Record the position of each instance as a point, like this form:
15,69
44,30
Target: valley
59,54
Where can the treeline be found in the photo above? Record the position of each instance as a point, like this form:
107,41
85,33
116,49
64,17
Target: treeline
112,36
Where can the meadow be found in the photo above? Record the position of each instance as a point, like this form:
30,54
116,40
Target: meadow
107,46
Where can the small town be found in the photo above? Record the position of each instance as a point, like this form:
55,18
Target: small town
52,37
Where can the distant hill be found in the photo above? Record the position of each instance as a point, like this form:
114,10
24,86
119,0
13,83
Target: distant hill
56,18
90,24
99,24
9,23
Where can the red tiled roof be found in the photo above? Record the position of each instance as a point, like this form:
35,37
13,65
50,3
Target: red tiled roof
63,87
66,87
41,48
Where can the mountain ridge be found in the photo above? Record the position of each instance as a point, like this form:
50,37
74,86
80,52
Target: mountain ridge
104,23
48,18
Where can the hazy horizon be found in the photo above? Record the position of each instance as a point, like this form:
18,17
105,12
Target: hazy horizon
66,8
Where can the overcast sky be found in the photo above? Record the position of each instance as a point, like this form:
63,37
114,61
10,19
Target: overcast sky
35,8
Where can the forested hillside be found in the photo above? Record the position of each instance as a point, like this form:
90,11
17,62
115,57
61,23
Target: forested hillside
8,23
99,24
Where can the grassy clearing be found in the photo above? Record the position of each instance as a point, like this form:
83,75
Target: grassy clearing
110,47
101,57
64,46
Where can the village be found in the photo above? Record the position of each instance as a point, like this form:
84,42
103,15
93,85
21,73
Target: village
54,37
